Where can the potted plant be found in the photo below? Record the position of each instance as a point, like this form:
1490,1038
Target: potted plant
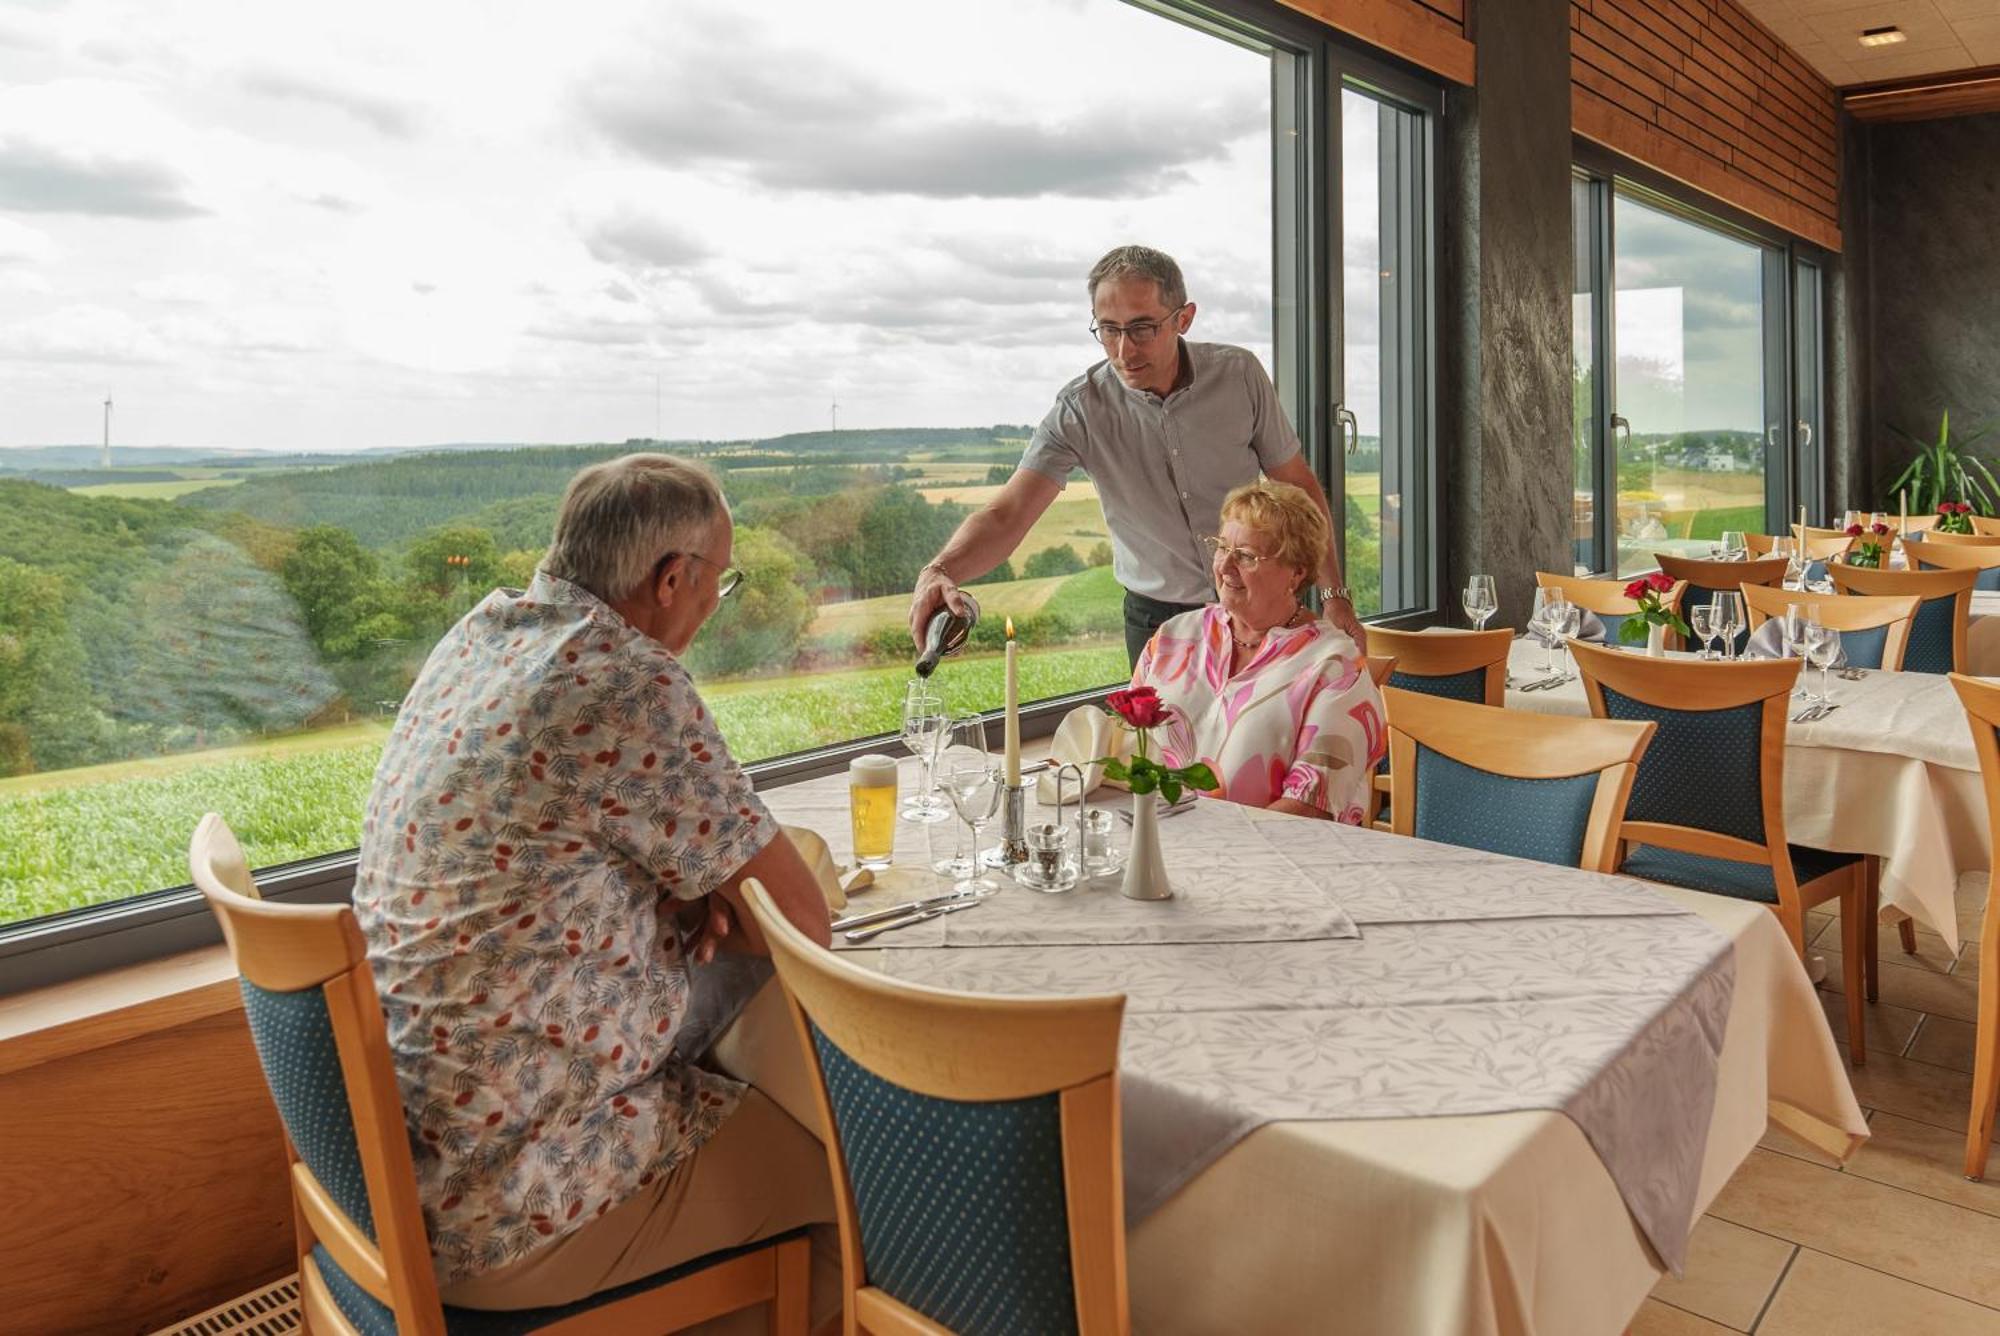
1954,517
1867,553
1947,471
1653,617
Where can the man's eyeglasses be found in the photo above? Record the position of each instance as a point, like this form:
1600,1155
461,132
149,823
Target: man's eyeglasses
726,583
1246,560
1140,332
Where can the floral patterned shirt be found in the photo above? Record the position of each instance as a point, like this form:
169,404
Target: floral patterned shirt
1301,719
552,784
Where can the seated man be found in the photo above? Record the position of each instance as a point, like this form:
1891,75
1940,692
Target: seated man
1277,702
555,827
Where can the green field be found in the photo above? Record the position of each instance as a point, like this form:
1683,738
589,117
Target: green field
81,837
159,491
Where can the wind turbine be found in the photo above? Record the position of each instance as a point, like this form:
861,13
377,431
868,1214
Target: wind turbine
104,460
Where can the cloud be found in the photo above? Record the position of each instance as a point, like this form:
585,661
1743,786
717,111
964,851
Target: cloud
81,333
399,120
798,120
630,237
187,290
21,244
89,147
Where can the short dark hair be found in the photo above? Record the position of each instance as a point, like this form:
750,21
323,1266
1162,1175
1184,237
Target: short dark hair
1141,262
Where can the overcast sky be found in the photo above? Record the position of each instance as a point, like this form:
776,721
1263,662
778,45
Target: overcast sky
374,224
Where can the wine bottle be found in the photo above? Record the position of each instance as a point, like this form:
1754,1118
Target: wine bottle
946,635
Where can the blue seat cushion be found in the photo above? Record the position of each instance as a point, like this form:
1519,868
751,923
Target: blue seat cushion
1726,876
1540,819
372,1318
1864,649
1930,645
1469,685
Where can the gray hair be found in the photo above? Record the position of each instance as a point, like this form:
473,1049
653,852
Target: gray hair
620,517
1141,262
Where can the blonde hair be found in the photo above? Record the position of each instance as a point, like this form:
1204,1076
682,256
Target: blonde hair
1287,516
620,517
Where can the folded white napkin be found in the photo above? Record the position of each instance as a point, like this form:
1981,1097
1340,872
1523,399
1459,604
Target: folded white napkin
1768,642
1085,734
812,848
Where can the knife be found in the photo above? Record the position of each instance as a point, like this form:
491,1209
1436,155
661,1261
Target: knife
897,911
958,903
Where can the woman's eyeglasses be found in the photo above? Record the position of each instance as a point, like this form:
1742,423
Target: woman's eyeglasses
1246,560
726,583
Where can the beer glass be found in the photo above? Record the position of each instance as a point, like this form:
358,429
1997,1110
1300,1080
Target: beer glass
871,798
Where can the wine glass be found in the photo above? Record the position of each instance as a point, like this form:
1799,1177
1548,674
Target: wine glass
1792,635
1481,600
1549,615
1701,618
971,777
1728,605
1572,622
1734,546
924,721
1822,649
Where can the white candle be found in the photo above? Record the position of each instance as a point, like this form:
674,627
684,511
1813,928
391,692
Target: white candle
1013,718
1903,513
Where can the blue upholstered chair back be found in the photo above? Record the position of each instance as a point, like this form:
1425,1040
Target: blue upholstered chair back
1469,685
1612,621
1929,648
293,1033
1864,649
961,1205
1705,768
1541,819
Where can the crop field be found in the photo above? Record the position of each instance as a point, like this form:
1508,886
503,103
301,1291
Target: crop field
82,837
1013,598
192,480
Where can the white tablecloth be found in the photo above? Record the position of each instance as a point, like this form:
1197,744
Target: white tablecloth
1892,772
1501,1222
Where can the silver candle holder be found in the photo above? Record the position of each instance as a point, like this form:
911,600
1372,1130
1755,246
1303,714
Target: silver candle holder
1013,850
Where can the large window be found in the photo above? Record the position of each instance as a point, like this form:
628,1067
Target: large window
306,319
1695,380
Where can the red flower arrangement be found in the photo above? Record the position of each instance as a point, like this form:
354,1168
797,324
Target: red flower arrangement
1142,708
1867,554
1954,517
1646,592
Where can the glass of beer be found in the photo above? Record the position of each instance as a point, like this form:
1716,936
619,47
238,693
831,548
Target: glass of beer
871,798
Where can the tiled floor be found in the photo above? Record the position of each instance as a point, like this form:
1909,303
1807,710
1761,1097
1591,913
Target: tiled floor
1897,1243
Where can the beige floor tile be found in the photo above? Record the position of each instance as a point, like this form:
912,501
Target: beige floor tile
1731,1272
1944,1041
1658,1319
1920,1090
1931,954
1918,988
1824,1296
1784,1143
1888,1026
1920,1158
1930,1242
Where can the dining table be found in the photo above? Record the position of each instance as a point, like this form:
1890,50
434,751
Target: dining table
1892,773
1372,1083
1982,634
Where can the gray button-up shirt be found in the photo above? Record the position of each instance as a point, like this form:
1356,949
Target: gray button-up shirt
1162,466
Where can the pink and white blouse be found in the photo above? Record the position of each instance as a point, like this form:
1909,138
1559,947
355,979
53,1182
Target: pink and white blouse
1301,719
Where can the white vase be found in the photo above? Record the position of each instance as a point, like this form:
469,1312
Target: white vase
1145,865
1656,641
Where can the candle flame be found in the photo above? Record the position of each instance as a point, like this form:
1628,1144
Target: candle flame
1010,628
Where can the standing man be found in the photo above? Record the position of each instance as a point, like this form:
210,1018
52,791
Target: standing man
1166,429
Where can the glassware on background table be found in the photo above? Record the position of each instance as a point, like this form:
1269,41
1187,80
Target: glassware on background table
971,777
1481,600
1792,637
1551,611
1572,622
871,805
1849,518
924,721
1728,605
1734,548
1701,619
1795,563
1822,649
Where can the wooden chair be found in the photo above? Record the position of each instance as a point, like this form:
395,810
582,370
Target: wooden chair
1606,598
975,1146
1834,544
1546,787
364,1259
1707,810
1380,667
1944,539
1462,665
1980,523
1983,557
1936,642
1925,523
1705,578
1982,711
1873,631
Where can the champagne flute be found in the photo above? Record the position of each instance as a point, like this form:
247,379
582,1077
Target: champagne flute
1734,546
972,779
1822,648
924,721
1701,618
1547,619
1728,620
1481,600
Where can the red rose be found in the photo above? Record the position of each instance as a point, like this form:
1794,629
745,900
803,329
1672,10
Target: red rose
1947,508
1853,531
1138,706
1660,581
1635,589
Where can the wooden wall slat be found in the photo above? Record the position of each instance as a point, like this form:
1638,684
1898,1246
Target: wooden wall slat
1427,33
1701,91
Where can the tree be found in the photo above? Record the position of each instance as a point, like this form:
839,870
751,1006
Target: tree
45,719
999,473
762,623
332,579
1100,554
451,559
1000,574
1061,560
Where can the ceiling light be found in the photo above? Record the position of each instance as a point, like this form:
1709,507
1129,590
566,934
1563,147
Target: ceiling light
1883,36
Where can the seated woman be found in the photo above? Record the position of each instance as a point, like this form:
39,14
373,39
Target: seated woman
1277,702
555,832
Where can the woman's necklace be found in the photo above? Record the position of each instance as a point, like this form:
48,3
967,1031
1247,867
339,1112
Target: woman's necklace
1257,640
